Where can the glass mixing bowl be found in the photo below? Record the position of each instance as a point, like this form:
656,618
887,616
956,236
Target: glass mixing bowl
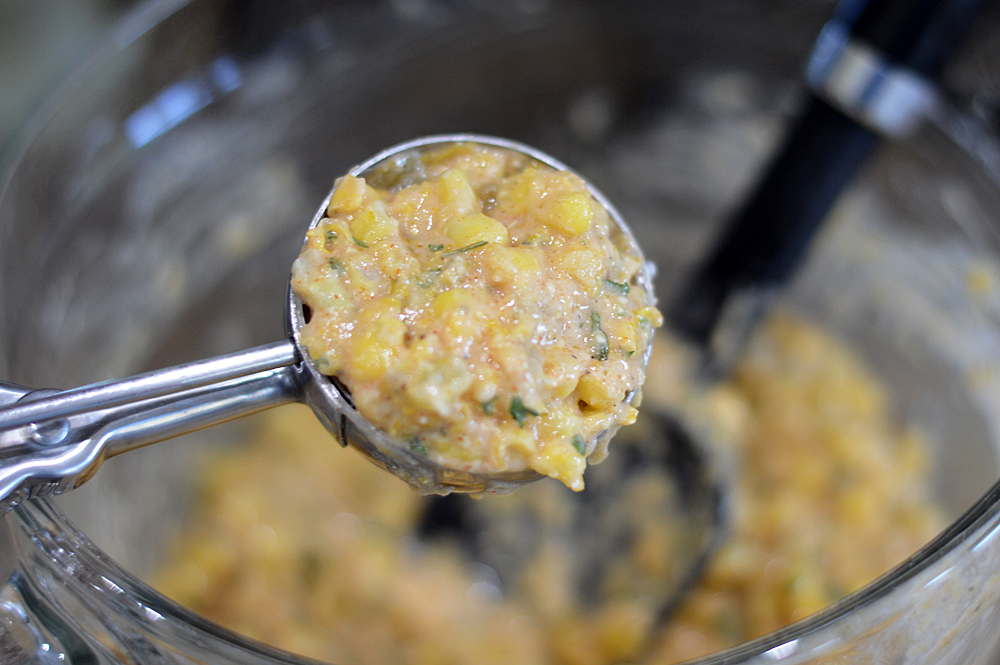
151,211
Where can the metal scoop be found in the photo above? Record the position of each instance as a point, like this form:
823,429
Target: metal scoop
52,441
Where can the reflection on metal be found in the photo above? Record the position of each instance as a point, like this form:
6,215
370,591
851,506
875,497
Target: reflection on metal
8,551
858,80
180,101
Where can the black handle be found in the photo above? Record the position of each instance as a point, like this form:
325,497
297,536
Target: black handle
765,241
918,34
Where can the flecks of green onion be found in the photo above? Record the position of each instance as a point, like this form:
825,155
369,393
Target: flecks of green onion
519,411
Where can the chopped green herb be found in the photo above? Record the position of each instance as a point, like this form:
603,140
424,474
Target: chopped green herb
417,446
519,411
335,263
475,245
358,242
622,289
435,248
579,444
428,277
488,406
601,346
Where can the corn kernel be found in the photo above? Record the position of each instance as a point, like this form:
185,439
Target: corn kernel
517,442
326,294
374,350
583,265
315,238
457,193
348,196
562,372
512,264
325,236
373,224
557,424
475,228
571,214
525,192
627,416
596,392
558,459
460,320
450,301
623,333
652,315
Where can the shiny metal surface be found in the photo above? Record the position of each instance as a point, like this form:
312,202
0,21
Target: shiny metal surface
51,442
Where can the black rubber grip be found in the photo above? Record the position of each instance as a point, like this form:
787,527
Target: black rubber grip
918,34
766,240
763,244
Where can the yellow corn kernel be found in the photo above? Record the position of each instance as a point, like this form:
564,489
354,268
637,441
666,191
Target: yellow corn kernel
511,264
325,294
372,224
325,236
650,314
475,228
525,191
559,459
584,265
457,193
377,339
570,213
462,326
450,301
624,333
557,424
348,196
566,386
597,392
562,371
626,416
517,442
460,319
314,238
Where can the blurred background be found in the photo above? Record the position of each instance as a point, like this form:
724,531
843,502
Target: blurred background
657,104
41,43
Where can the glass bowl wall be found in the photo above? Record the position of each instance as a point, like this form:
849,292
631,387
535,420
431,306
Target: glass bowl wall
152,211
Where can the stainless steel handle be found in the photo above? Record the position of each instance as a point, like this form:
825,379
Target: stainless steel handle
51,442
